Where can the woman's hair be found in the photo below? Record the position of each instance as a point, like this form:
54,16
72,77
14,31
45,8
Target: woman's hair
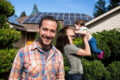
62,38
80,22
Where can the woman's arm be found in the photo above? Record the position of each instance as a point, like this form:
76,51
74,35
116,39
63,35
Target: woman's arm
86,51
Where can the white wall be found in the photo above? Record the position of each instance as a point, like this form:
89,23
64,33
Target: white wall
107,23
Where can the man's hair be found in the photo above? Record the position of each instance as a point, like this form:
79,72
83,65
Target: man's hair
47,18
80,22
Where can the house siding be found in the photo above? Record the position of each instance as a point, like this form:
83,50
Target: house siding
108,22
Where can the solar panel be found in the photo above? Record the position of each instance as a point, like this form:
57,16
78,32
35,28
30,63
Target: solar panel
37,16
77,14
90,18
66,14
72,22
60,14
38,20
55,14
71,14
83,15
60,18
50,14
66,22
67,18
33,20
84,18
31,16
78,17
72,18
27,20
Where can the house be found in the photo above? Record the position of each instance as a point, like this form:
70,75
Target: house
106,21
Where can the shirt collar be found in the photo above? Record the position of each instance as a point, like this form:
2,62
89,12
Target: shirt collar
35,46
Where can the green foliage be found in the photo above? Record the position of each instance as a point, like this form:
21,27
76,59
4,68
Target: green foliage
8,37
93,70
108,42
113,4
7,57
99,8
114,71
78,42
23,14
6,8
59,27
35,10
3,23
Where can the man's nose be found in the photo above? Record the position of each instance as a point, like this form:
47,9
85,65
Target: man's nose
48,34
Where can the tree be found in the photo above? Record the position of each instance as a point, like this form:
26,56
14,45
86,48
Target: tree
99,8
113,4
8,37
6,10
35,10
23,14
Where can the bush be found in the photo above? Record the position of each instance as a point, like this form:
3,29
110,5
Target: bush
7,57
113,71
108,42
78,42
8,37
93,70
6,8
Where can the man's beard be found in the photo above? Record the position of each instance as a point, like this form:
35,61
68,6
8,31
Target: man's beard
43,44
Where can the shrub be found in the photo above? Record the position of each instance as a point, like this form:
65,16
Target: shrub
93,70
113,71
6,8
78,42
8,37
7,57
108,42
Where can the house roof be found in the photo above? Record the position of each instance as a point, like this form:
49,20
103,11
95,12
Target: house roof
102,16
28,27
13,20
67,18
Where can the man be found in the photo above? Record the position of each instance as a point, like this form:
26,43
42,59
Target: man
41,60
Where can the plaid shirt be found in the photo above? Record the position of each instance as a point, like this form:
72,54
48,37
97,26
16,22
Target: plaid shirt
31,64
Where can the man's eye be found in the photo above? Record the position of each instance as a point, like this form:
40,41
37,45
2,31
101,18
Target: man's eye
52,31
44,29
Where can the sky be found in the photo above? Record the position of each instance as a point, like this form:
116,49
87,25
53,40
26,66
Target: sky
59,6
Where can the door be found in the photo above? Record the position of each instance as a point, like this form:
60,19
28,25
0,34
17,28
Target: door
30,37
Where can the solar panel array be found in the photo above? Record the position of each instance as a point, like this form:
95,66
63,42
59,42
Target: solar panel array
67,18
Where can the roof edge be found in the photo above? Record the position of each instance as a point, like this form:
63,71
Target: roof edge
103,15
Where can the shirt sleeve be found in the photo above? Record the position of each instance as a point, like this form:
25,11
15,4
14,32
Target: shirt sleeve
71,49
17,66
61,72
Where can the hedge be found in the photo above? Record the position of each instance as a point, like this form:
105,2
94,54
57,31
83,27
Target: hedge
7,57
113,71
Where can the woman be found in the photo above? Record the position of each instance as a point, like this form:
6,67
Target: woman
73,53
